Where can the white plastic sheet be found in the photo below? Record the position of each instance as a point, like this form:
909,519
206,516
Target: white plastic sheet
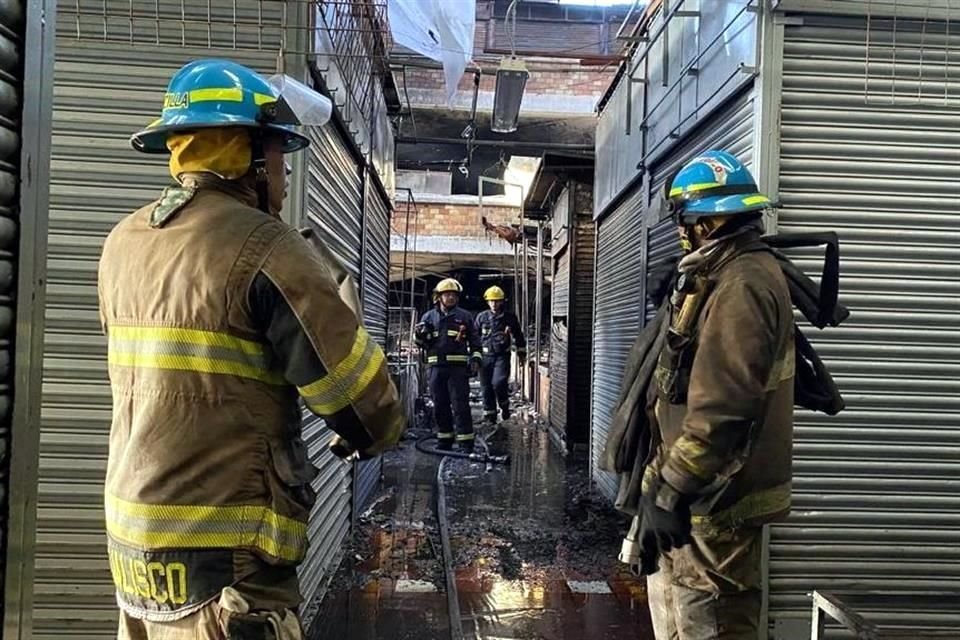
441,30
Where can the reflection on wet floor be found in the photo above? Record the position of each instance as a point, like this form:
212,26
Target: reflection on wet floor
534,554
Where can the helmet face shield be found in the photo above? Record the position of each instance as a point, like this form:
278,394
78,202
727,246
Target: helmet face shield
298,104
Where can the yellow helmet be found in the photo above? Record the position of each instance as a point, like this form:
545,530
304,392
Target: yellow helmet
447,284
494,293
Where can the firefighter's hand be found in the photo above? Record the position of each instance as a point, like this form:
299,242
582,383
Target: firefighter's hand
474,368
345,451
423,332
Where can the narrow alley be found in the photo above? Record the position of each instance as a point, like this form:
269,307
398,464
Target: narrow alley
533,552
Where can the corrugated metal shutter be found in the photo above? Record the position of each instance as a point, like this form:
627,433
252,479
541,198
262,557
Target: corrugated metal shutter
561,285
376,276
103,92
559,357
875,489
560,293
581,325
334,210
616,322
730,128
11,111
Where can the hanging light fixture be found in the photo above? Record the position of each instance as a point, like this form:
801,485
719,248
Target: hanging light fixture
511,82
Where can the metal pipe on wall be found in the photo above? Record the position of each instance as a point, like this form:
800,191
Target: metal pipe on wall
525,320
537,322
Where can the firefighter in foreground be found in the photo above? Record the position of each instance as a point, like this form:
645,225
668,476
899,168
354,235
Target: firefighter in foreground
499,330
219,317
723,412
453,353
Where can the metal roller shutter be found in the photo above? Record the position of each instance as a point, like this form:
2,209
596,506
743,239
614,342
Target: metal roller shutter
617,320
561,285
376,276
11,118
581,326
334,210
103,92
875,488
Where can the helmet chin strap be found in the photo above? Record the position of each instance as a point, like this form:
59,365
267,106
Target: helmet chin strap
259,163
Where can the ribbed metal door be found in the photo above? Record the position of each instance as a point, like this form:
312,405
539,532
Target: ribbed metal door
11,109
102,93
617,319
877,488
334,210
559,339
581,326
373,289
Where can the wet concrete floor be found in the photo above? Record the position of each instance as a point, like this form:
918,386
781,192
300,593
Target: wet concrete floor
534,553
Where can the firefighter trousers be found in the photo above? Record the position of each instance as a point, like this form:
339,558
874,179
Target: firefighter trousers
226,619
710,589
450,390
495,382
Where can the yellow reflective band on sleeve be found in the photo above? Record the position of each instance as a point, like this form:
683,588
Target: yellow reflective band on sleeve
456,358
348,380
206,527
692,188
432,359
465,437
179,349
453,334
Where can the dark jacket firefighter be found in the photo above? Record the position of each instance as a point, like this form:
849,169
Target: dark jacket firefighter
220,318
499,332
447,334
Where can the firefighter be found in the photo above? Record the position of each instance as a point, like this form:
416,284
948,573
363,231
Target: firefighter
723,411
453,353
499,331
219,317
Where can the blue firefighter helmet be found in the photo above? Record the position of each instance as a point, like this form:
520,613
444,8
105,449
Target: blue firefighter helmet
715,183
219,93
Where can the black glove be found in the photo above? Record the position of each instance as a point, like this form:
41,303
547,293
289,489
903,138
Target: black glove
423,332
474,368
661,530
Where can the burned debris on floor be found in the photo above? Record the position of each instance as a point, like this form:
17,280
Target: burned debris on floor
533,551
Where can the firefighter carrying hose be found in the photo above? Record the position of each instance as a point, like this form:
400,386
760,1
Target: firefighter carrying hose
722,408
447,334
499,331
219,317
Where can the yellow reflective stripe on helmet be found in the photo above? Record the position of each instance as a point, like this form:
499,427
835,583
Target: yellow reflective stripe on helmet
345,383
205,527
676,191
758,199
232,94
179,349
261,99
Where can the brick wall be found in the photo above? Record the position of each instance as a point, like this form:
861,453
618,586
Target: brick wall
461,220
585,81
